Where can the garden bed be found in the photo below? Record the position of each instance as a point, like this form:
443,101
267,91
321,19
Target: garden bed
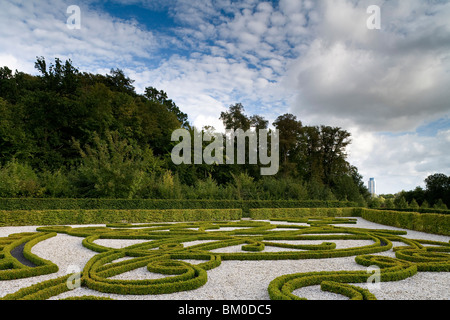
246,260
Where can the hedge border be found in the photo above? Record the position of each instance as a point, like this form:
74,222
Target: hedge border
165,248
161,204
424,222
102,216
12,269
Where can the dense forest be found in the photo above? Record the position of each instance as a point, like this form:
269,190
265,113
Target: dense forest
66,133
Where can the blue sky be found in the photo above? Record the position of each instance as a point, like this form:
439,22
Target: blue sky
315,59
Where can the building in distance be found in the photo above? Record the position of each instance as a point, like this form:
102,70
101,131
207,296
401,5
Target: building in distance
372,187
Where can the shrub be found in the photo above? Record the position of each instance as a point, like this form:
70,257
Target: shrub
431,223
11,268
270,213
101,216
165,248
19,180
391,270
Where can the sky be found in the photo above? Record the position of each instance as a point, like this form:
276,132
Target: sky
388,87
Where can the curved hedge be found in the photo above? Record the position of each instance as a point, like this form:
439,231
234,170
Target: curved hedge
11,268
165,249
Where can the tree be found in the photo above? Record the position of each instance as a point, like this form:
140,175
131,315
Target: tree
160,97
19,180
119,133
425,205
321,154
440,205
113,168
258,122
290,130
418,194
62,78
413,204
346,189
235,118
389,204
308,154
118,81
333,143
438,187
400,202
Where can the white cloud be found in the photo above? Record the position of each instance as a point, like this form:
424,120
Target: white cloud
367,77
399,161
316,58
29,29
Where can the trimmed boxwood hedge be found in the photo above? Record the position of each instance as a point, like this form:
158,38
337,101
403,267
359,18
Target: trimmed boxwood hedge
419,210
425,222
11,268
277,213
165,250
352,292
392,269
101,216
161,204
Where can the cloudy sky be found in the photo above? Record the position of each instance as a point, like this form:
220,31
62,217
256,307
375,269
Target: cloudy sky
389,87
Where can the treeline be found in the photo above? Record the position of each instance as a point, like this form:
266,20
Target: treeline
436,195
66,133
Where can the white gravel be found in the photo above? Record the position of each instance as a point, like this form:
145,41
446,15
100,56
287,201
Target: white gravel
237,280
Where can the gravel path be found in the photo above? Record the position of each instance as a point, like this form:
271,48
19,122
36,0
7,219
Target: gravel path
237,280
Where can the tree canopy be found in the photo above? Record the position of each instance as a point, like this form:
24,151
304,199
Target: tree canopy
69,133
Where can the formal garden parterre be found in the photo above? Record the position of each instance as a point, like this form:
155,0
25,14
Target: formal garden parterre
182,246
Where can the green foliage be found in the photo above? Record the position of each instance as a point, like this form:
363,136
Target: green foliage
430,223
12,268
319,191
80,216
113,168
437,192
440,205
270,213
425,205
164,252
389,204
56,184
235,118
401,203
92,136
19,180
414,204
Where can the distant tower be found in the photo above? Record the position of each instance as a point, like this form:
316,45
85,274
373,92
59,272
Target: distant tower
372,189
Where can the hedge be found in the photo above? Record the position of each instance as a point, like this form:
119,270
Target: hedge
418,210
161,204
41,291
277,213
352,292
430,223
102,216
11,268
425,222
392,269
166,247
